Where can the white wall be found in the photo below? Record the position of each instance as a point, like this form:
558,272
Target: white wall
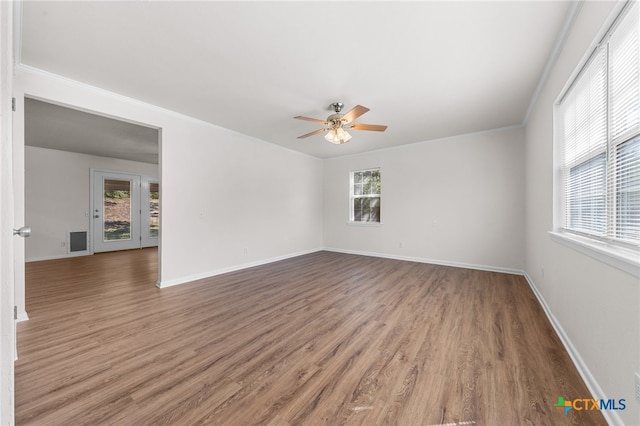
222,192
57,196
227,193
597,306
456,201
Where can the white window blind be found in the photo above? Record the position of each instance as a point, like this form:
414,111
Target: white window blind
627,177
624,147
598,130
623,76
584,131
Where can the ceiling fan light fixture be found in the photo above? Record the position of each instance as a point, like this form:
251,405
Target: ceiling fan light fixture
337,136
337,123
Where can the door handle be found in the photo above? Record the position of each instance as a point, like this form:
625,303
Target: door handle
95,216
23,232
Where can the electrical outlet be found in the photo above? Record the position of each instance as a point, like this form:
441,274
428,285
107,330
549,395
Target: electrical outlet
637,387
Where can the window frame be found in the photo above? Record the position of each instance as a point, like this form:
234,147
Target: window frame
615,251
353,197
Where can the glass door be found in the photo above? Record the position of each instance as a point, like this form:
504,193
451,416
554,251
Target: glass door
150,212
116,211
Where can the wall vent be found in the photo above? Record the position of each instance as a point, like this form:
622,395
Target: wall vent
78,241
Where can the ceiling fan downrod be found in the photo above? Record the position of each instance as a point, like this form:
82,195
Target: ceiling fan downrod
336,106
335,120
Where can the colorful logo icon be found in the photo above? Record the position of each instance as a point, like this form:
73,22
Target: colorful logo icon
563,405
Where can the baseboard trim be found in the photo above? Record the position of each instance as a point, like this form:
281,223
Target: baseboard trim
431,261
22,316
209,274
596,391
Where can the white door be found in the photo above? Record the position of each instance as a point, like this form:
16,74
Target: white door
116,211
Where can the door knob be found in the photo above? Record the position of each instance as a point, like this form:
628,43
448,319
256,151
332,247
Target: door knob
96,216
24,232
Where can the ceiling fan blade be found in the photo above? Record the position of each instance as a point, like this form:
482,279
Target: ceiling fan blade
354,113
315,120
312,133
374,127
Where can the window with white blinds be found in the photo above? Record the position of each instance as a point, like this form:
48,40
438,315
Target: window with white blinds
598,135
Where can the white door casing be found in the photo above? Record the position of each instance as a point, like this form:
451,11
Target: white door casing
7,247
124,211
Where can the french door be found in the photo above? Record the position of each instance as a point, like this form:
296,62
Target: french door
125,211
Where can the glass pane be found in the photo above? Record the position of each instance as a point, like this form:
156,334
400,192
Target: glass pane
586,197
357,177
373,182
117,210
371,209
357,209
366,209
374,214
154,210
628,190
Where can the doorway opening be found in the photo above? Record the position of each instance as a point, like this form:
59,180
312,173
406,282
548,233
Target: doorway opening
88,174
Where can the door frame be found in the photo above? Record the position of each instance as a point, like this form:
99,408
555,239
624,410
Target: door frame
8,219
96,216
137,226
35,84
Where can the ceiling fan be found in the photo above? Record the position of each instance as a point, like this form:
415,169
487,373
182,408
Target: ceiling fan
339,123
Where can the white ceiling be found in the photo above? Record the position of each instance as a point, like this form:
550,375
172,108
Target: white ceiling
57,127
428,70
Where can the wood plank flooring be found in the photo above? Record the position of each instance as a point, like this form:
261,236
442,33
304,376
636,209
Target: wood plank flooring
325,338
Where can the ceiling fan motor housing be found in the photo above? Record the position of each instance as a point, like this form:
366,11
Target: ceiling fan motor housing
335,120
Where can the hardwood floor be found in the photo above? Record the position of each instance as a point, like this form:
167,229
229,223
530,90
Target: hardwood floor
324,338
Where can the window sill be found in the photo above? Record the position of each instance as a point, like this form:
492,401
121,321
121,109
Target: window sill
365,224
618,257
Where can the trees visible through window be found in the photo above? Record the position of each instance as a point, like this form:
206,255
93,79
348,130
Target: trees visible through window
365,195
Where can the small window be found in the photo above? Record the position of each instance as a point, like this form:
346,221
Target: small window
365,196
